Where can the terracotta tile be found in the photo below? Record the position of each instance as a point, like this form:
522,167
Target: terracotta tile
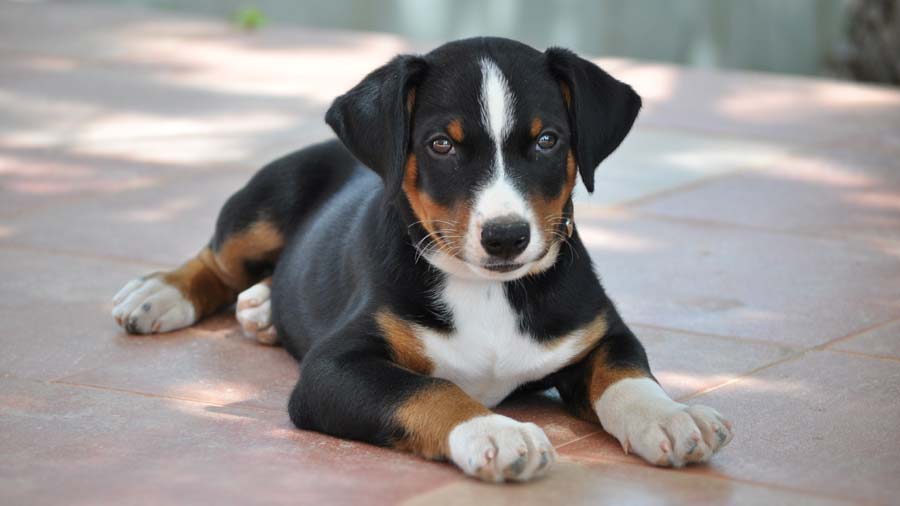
37,178
784,109
620,485
883,341
102,447
217,366
798,426
546,410
843,193
655,160
56,314
33,276
687,363
824,423
721,280
164,224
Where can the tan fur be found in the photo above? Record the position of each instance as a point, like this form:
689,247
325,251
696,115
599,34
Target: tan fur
406,349
456,131
537,126
430,414
590,336
439,221
212,279
601,376
548,211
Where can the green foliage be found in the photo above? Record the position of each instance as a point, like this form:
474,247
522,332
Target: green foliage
249,18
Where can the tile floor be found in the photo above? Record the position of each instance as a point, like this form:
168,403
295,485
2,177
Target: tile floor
749,229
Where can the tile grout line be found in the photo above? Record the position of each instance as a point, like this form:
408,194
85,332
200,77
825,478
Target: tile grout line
724,337
567,443
78,254
790,358
863,355
827,345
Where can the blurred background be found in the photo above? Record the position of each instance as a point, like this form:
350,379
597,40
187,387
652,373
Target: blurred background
851,39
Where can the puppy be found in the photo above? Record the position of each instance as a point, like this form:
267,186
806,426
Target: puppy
426,264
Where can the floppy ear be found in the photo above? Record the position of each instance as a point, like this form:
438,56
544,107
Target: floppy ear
372,119
601,109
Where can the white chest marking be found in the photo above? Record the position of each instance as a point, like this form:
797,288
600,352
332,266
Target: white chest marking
487,355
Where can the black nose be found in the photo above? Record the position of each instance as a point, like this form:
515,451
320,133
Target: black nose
505,237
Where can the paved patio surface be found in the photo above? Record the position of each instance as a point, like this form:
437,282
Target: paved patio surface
749,229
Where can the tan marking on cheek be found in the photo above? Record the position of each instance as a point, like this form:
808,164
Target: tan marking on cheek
537,126
549,210
455,129
429,416
442,223
406,348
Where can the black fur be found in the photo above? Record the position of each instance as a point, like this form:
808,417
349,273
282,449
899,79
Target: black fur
350,230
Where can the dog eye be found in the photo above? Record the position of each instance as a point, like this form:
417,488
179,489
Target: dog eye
546,141
441,146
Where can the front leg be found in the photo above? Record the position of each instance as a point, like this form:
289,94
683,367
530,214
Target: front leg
613,384
362,394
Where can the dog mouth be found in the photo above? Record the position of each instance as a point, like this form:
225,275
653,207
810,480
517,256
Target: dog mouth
501,267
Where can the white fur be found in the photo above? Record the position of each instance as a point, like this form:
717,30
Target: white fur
149,305
254,313
499,197
638,413
488,355
496,448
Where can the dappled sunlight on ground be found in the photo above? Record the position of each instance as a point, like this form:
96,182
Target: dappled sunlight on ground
748,230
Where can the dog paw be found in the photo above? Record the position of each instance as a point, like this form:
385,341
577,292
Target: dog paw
683,435
496,448
254,312
149,305
663,432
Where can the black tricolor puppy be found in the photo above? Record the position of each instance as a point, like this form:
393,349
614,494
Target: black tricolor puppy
426,265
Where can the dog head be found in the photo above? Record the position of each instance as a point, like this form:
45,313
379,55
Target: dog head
480,143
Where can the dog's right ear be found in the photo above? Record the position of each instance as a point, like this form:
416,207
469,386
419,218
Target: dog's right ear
373,118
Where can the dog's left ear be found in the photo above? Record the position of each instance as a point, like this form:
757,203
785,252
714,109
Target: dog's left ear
373,118
601,109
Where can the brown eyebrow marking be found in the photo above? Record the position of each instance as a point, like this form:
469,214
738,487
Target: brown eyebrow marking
454,128
536,127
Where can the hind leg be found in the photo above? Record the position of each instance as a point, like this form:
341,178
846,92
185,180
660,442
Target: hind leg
166,301
243,250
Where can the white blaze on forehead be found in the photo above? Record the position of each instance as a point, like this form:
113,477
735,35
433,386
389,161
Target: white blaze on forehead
497,102
498,197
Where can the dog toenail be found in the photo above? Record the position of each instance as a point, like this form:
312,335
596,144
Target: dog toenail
545,459
518,466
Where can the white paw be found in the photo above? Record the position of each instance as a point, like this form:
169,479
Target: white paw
663,432
149,305
254,312
496,448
